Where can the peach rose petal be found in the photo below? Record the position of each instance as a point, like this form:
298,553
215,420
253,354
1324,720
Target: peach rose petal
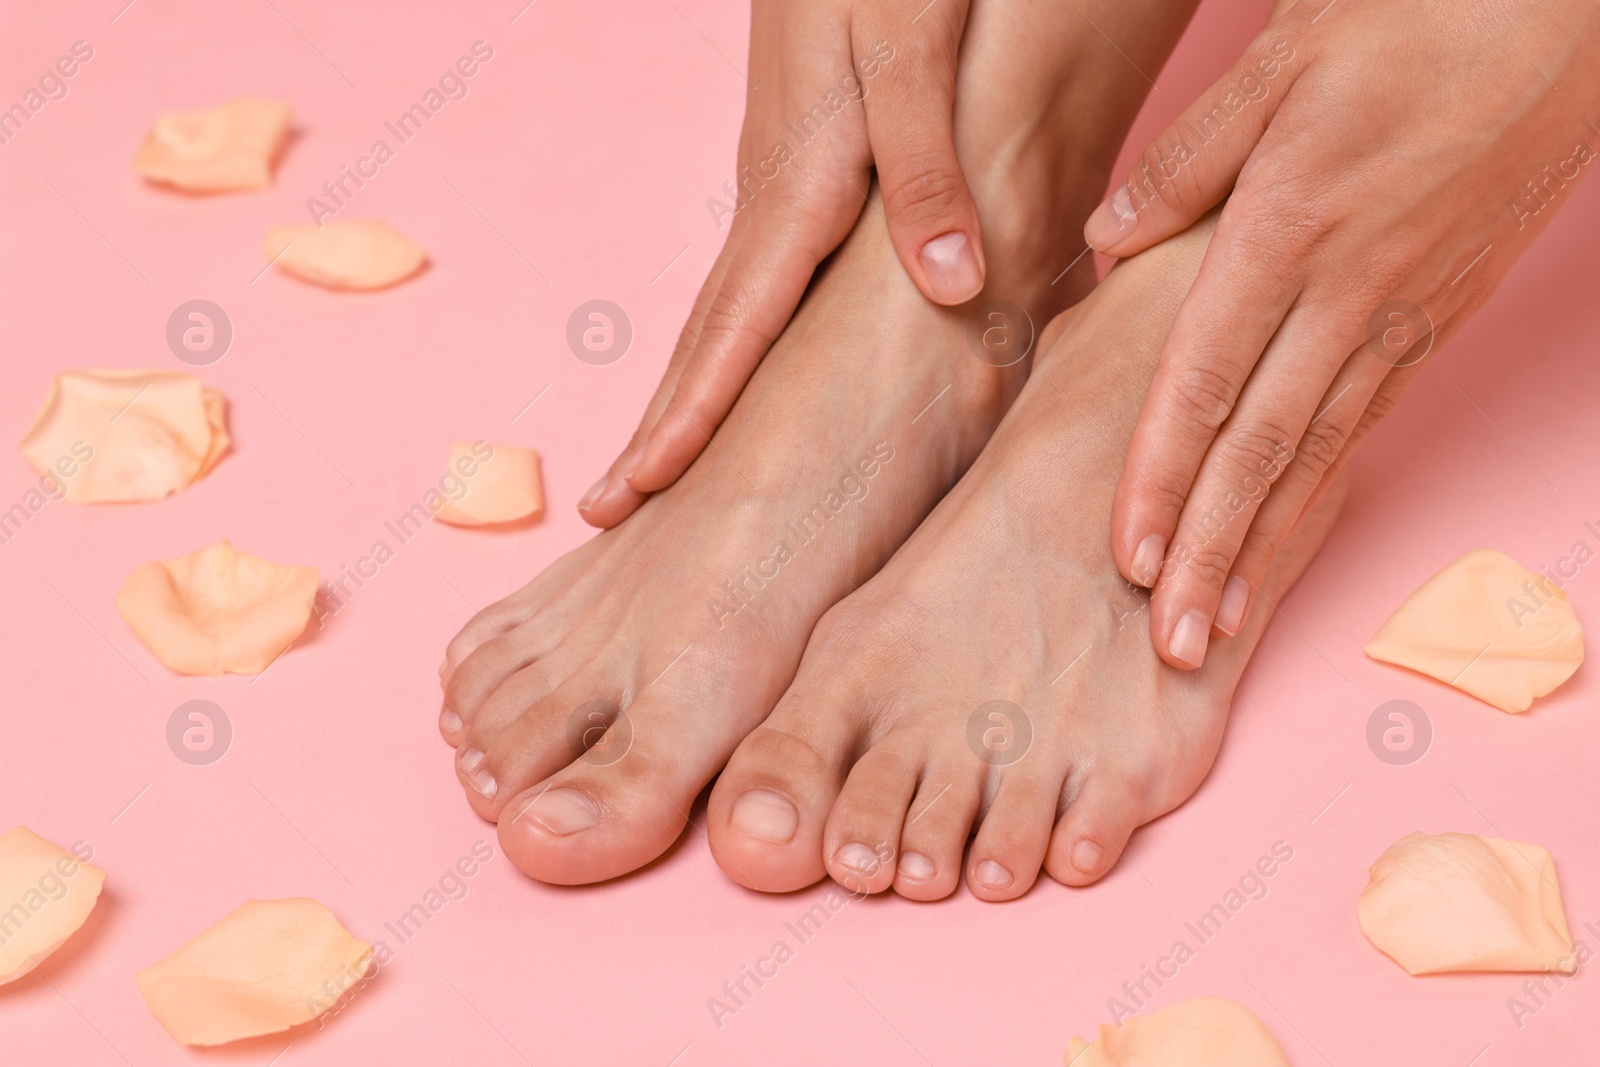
1437,903
265,967
503,488
46,893
224,148
1488,626
116,437
1204,1032
218,610
359,254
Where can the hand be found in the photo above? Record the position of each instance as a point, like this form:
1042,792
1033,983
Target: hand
1384,163
837,87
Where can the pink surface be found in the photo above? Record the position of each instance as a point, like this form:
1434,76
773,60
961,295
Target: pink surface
577,168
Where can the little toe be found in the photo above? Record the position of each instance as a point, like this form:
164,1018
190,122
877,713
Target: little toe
934,837
771,802
477,678
861,842
1093,832
1014,836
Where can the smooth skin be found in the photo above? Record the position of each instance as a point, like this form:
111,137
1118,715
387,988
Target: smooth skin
1384,163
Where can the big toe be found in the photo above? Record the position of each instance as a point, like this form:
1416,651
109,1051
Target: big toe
771,803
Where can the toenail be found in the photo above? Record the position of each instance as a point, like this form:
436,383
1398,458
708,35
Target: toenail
1087,855
444,665
766,816
449,721
593,494
916,866
1147,560
563,811
482,781
1235,598
1189,638
469,758
857,857
992,875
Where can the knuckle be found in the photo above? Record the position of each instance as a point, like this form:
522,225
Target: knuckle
1206,563
1204,396
1320,446
1162,177
1260,447
923,187
775,745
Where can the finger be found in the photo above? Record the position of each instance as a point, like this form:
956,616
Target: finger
792,230
1325,447
1248,280
1192,165
611,499
1253,449
910,107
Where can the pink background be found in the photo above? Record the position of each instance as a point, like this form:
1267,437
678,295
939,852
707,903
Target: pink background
591,142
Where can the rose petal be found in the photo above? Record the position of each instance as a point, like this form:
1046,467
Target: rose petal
503,487
266,966
1488,626
231,146
1204,1032
46,893
109,436
218,610
1455,902
359,254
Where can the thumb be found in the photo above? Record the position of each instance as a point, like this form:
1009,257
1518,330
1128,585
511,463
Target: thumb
1193,164
933,222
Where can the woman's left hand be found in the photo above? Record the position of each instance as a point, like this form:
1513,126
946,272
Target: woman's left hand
1385,162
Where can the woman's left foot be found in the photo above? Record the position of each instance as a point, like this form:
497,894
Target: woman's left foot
998,672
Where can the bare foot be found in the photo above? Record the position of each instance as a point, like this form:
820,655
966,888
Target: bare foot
998,674
591,707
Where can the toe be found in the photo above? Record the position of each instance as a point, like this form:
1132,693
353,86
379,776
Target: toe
475,680
862,838
935,834
498,762
771,803
621,804
1011,842
1093,832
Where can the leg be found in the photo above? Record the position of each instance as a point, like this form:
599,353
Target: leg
998,672
672,635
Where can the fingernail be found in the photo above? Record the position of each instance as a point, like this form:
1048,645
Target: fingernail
952,268
1235,598
1189,638
563,811
1111,222
449,721
991,875
483,782
1086,856
1147,560
857,857
916,866
765,816
594,493
469,759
